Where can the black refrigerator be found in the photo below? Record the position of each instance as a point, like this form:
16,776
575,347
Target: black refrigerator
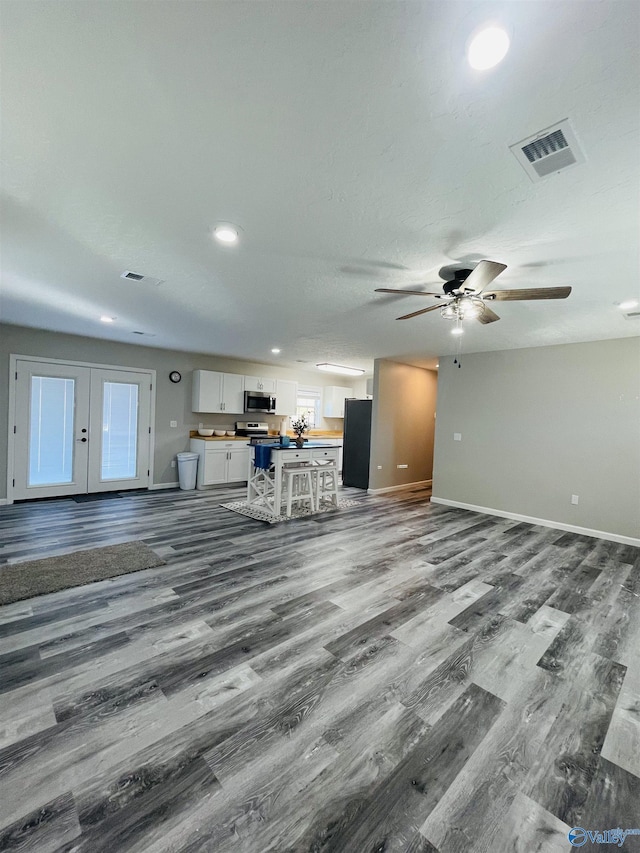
356,443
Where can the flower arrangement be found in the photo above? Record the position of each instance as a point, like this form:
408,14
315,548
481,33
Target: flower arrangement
299,425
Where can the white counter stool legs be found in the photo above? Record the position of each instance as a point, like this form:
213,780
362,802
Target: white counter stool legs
326,483
298,483
261,489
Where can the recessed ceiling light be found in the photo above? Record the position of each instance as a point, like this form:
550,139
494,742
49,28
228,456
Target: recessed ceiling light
487,48
339,368
226,234
105,319
457,331
275,351
628,305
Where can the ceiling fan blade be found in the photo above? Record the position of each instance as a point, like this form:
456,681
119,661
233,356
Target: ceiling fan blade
406,292
528,293
416,313
483,275
487,316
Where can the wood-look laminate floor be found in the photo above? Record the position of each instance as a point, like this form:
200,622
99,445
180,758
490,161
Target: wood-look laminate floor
396,676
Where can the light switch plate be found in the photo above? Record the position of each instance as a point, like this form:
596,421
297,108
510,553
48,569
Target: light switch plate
457,436
173,424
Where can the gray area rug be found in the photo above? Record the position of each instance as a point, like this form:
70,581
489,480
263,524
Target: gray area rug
260,514
51,574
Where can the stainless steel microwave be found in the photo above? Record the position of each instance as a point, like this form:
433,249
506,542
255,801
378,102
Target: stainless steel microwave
258,401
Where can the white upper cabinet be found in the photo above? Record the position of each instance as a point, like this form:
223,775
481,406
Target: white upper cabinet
233,393
206,391
333,400
286,397
217,392
258,383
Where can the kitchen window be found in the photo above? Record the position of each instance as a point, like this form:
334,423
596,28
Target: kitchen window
308,404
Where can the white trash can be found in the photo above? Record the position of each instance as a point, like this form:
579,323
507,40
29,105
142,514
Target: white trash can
187,468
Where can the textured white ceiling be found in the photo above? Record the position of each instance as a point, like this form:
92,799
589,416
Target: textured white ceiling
352,145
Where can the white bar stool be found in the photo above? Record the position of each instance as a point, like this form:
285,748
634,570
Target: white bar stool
326,477
298,483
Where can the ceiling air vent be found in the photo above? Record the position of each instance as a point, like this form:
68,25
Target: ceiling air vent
549,151
136,276
632,315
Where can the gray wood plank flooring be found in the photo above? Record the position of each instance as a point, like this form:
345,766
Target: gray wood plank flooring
395,676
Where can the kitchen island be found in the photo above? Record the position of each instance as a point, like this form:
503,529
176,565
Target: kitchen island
264,486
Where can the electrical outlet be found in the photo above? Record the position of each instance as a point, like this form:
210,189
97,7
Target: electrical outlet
173,424
379,467
574,500
173,463
457,436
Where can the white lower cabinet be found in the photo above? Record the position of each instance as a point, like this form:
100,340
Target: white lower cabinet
220,462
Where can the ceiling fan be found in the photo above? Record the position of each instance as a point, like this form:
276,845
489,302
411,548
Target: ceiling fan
466,296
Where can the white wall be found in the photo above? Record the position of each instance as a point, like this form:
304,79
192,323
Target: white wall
540,425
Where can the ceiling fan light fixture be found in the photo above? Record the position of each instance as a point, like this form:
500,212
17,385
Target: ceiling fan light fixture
470,306
339,368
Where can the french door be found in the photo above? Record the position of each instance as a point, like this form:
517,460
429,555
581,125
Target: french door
79,429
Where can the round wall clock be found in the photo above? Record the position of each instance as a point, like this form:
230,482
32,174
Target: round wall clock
174,376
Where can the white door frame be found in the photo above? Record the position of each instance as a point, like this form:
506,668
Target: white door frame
13,360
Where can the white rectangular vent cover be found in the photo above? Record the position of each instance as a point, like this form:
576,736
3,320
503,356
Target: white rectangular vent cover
136,276
551,150
632,315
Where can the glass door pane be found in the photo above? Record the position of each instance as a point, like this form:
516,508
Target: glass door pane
51,434
119,431
51,431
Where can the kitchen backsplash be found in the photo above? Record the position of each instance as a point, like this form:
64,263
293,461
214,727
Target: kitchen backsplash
228,421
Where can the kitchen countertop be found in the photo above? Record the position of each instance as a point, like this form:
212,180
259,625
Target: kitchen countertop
314,433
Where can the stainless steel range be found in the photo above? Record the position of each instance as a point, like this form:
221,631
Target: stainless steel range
253,429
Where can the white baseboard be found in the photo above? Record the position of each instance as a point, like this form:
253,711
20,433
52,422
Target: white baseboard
399,488
3,501
543,522
154,486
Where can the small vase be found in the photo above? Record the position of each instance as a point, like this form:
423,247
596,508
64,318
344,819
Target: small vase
299,441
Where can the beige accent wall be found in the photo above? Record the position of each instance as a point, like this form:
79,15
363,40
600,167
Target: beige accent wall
173,402
540,425
402,430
